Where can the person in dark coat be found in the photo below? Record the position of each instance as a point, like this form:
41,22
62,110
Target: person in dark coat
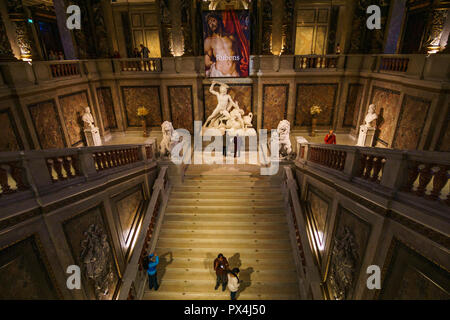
221,267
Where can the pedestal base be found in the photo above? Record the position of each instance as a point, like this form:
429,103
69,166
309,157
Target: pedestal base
93,137
366,136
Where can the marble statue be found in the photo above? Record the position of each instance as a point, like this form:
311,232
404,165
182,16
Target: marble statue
88,119
228,116
285,147
169,140
367,130
91,132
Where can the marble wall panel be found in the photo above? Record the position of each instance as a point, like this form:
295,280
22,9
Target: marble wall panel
347,252
136,97
318,212
241,93
323,95
387,108
9,136
106,105
181,107
128,208
410,125
89,239
72,108
444,141
25,273
275,101
353,105
411,276
47,125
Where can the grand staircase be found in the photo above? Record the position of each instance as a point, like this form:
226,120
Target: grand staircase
230,210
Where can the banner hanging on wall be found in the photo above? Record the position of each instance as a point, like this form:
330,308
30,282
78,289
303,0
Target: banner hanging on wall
226,38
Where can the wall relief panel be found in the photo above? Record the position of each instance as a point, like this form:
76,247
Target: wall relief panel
347,252
9,136
47,125
136,97
181,107
106,104
387,103
90,243
410,123
275,101
353,105
308,95
25,273
72,107
411,276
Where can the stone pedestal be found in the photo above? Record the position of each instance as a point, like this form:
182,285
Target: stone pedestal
366,135
93,137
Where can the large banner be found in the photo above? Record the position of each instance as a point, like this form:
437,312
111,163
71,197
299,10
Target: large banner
226,38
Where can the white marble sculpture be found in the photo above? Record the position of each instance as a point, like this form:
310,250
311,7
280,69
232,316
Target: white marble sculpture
367,130
169,140
285,147
228,116
91,132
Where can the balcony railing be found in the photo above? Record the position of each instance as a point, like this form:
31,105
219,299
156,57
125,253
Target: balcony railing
305,62
140,65
64,68
410,174
46,171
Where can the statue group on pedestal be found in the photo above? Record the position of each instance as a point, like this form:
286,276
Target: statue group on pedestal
228,115
91,132
367,130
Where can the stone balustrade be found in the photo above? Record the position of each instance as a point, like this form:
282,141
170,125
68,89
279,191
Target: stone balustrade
140,65
305,62
421,174
44,171
64,68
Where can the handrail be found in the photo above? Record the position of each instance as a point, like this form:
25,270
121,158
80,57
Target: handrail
44,171
420,174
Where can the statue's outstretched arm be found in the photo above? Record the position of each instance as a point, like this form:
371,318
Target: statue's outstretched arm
211,88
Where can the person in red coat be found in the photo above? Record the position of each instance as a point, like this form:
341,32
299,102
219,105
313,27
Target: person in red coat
330,138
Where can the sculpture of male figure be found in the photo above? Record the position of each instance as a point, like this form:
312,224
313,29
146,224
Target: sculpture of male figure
224,104
219,49
88,119
371,116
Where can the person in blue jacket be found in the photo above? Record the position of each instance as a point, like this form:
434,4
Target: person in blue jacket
151,271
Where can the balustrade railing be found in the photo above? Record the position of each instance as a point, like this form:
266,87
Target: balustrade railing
304,62
398,64
419,173
64,69
55,168
12,177
141,65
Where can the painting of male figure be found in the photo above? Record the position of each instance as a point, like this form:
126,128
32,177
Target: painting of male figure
226,43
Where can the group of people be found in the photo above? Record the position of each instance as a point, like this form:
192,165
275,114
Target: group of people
143,53
53,55
224,275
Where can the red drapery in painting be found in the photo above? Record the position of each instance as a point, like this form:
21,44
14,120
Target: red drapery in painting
232,26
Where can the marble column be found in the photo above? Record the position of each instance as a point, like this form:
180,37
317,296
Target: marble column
23,34
64,33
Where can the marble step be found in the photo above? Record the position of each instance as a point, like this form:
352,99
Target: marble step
247,232
263,263
247,273
264,203
208,253
217,195
226,225
216,295
219,217
225,189
213,234
221,184
239,210
219,178
225,243
207,287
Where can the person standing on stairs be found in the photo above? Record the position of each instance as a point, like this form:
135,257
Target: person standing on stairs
233,282
151,271
221,267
